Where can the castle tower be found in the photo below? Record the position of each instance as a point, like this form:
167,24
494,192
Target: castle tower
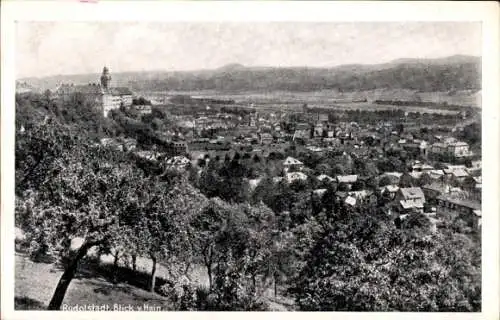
105,79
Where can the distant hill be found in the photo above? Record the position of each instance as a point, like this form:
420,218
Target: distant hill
231,67
22,87
455,73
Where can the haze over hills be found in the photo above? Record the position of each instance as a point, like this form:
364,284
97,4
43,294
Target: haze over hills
454,73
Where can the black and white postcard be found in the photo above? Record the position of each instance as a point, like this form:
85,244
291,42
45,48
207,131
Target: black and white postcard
216,156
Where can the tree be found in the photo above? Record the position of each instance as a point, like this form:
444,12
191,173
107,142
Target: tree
281,259
406,181
117,246
164,225
264,190
358,185
207,226
260,226
99,196
202,163
364,263
302,239
81,198
469,183
140,101
338,170
228,238
371,183
424,179
384,181
210,179
225,180
400,128
323,168
370,169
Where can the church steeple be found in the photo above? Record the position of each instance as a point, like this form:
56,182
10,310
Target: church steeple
105,78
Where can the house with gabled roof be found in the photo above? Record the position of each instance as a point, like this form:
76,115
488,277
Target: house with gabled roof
433,190
435,174
421,167
411,199
266,138
467,210
319,192
302,131
363,196
178,162
295,176
351,201
325,178
459,173
347,180
291,164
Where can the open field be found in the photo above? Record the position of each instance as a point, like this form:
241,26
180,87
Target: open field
465,98
367,106
36,282
197,273
293,101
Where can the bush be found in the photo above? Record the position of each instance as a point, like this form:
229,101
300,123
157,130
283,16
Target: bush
168,290
229,294
39,252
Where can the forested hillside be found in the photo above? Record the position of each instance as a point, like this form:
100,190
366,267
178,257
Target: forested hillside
447,74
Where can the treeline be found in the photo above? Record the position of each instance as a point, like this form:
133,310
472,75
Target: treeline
141,101
373,116
472,135
85,115
77,112
424,104
183,99
237,111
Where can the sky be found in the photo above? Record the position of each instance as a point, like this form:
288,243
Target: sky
53,48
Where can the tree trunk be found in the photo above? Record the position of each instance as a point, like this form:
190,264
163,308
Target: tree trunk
134,262
115,260
67,276
153,275
210,281
115,267
275,286
186,271
207,257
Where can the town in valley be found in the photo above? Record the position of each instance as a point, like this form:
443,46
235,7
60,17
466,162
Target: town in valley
350,188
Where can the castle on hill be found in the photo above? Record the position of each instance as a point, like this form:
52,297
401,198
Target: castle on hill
106,98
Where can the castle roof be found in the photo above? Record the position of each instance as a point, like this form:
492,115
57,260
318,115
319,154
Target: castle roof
120,91
92,88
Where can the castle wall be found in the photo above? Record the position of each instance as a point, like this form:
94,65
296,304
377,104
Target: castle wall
110,102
